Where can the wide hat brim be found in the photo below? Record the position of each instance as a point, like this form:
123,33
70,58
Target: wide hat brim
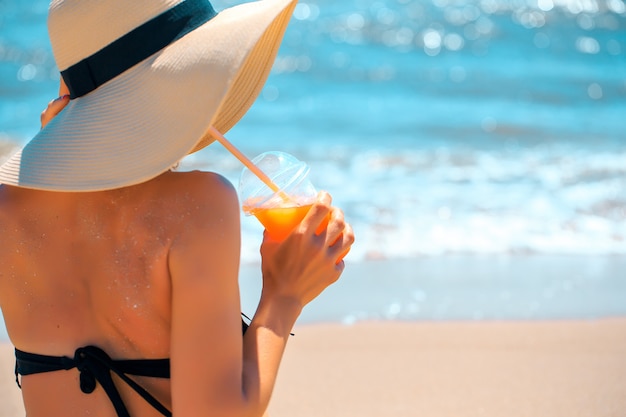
141,123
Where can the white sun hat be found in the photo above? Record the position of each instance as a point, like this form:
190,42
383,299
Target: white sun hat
148,79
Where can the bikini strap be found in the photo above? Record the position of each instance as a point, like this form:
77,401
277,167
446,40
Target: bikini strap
95,366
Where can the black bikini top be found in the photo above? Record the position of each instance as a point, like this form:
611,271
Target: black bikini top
95,366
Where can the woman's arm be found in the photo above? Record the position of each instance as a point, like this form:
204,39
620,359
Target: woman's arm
214,370
206,341
294,273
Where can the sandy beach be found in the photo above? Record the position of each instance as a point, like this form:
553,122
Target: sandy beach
440,369
464,369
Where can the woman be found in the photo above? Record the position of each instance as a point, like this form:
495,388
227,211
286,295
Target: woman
118,277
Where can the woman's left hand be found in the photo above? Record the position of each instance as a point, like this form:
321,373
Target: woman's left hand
56,105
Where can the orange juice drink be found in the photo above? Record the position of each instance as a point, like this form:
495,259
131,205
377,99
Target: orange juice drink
275,188
280,221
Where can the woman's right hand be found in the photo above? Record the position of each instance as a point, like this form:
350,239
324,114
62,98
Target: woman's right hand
309,259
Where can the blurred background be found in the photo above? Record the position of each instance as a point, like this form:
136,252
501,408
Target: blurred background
448,130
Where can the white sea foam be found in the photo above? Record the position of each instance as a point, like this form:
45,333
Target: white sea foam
407,203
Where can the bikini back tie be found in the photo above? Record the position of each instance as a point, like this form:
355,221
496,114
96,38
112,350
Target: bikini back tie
95,366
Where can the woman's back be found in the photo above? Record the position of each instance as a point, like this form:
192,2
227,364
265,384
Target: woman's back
149,271
80,269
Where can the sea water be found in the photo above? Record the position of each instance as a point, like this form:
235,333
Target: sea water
441,127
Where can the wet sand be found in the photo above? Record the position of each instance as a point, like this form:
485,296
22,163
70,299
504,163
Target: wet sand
439,369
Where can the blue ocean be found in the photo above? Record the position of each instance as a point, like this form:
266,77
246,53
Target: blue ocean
481,129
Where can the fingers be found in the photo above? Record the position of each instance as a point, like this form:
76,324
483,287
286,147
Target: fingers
338,237
54,108
317,216
342,245
329,228
63,90
336,226
328,222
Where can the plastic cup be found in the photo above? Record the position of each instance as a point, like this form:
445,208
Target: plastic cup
278,211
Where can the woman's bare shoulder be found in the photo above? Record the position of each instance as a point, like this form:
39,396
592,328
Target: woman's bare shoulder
10,209
188,191
203,201
3,210
195,178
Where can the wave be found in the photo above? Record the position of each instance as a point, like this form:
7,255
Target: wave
422,202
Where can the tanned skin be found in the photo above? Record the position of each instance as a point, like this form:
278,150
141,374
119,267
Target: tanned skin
151,271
